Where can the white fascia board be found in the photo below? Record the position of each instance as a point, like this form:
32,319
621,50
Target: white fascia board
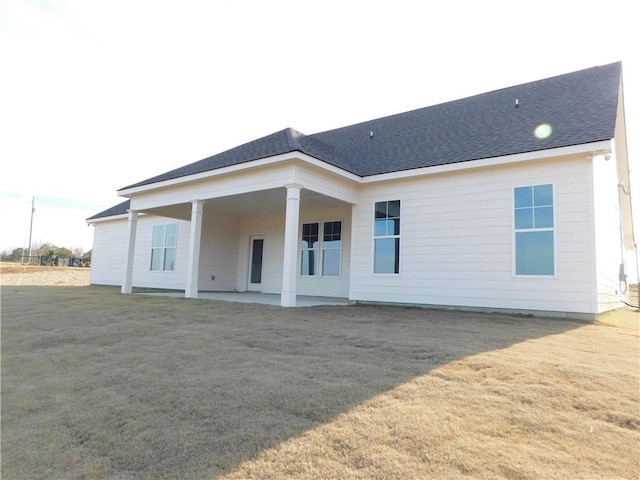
108,219
122,216
588,148
296,155
602,146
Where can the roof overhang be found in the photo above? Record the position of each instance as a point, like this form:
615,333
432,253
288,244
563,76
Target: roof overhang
93,221
586,148
276,159
600,147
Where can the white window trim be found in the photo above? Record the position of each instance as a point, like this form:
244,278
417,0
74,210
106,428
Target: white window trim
399,236
322,249
163,248
525,230
319,273
301,250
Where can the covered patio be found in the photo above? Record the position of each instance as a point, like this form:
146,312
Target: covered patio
230,215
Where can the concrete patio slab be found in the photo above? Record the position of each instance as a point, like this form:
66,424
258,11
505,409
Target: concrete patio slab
256,297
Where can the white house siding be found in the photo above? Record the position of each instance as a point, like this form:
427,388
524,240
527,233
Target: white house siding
457,240
142,274
218,252
271,227
262,178
608,234
109,252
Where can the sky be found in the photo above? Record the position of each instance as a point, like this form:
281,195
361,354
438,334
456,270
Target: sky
97,95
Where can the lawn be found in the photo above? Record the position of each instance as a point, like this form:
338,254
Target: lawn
99,385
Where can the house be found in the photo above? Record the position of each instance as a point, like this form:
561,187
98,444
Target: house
515,200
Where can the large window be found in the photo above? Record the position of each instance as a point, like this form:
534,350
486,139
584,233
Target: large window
163,247
310,239
325,249
331,249
534,230
386,237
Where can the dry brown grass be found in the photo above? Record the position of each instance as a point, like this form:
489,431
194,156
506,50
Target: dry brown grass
564,406
18,274
107,386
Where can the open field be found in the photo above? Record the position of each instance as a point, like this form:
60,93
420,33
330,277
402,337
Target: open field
99,385
17,274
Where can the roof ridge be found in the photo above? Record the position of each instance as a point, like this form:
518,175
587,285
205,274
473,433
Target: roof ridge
294,138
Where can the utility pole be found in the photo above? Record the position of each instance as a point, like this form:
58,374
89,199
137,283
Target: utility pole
33,209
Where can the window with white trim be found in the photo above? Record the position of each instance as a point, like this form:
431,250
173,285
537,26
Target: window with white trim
164,240
386,237
309,247
321,250
331,249
534,230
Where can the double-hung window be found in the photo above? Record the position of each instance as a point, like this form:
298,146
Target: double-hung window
534,230
309,247
331,249
321,250
164,240
386,237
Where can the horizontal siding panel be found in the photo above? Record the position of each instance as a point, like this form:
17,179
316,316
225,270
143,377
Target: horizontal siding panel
457,231
108,254
467,252
142,274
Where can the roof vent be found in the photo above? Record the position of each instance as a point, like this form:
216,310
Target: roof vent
371,134
517,104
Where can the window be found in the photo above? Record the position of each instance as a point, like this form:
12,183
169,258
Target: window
330,244
386,237
534,230
309,261
331,249
163,247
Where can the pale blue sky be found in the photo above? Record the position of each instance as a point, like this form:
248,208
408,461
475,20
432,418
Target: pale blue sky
97,95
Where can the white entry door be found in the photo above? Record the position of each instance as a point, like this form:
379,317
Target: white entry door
255,263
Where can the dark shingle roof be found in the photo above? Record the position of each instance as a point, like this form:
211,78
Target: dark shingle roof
284,141
119,209
581,108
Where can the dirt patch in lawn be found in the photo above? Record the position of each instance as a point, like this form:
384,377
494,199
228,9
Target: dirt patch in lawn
100,385
17,274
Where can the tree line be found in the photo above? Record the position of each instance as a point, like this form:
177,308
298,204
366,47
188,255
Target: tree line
48,250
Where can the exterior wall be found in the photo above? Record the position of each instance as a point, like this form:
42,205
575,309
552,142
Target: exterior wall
457,240
271,227
110,247
218,252
142,274
608,241
224,253
457,236
108,256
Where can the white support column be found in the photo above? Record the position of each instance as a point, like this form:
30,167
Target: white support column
290,263
127,281
193,262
